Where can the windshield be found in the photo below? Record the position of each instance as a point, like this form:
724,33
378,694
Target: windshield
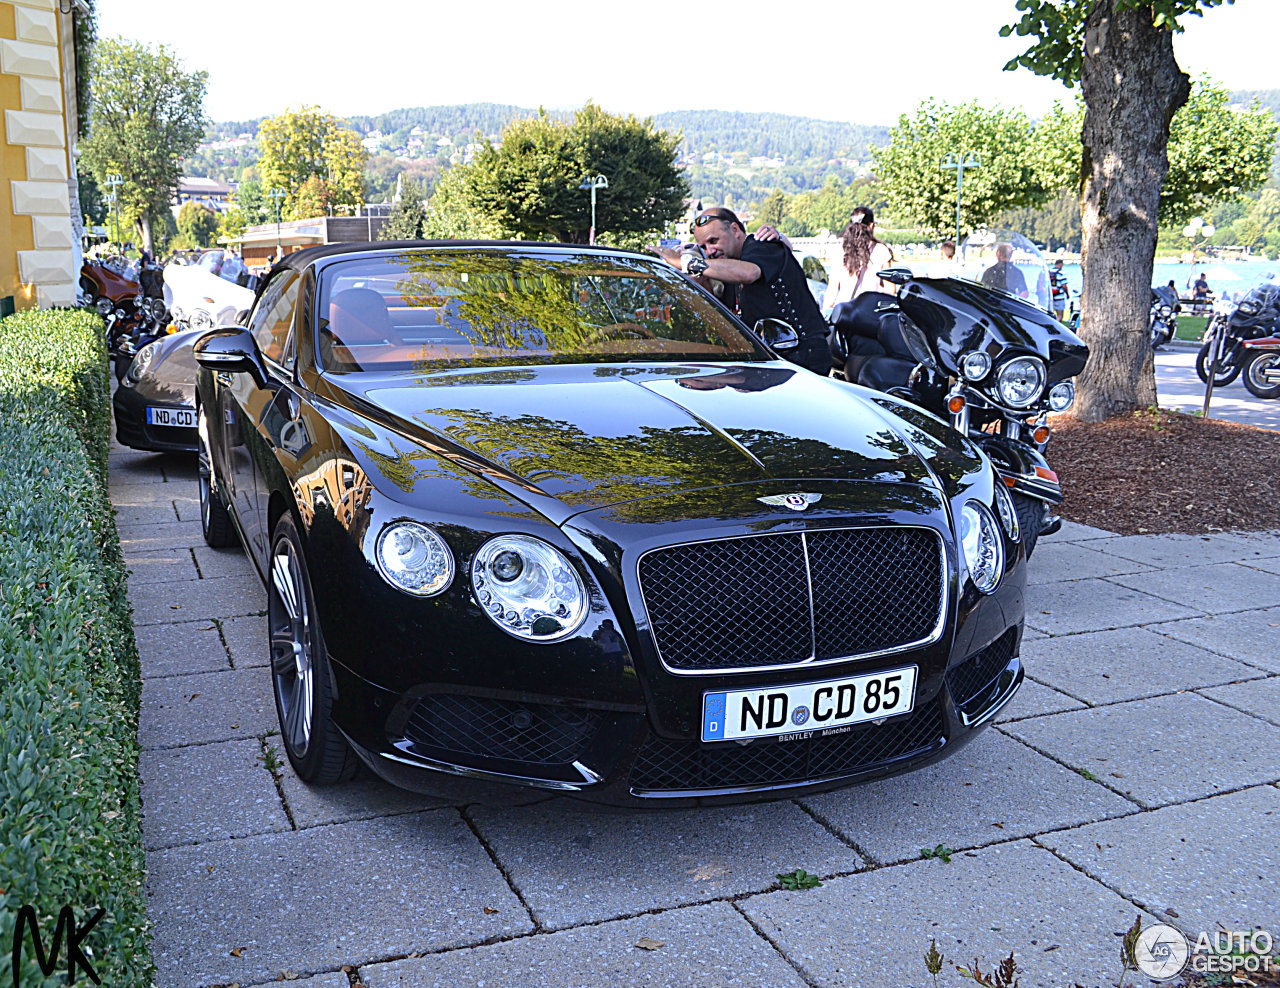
422,310
1008,261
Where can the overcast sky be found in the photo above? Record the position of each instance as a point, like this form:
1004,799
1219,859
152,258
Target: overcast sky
852,60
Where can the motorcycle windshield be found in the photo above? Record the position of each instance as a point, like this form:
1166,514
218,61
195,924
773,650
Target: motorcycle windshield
1007,261
963,316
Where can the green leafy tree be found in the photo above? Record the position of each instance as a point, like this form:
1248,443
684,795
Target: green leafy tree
773,209
528,186
408,215
1120,52
450,215
1015,168
310,148
147,115
1215,153
197,226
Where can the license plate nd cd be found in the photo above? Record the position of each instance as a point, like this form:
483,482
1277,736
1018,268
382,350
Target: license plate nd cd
181,417
821,708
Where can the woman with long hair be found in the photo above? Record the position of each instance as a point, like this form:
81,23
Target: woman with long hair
864,255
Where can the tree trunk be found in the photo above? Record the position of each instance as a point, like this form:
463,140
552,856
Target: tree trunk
144,231
1132,87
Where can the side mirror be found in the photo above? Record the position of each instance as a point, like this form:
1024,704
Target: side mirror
230,350
242,317
777,335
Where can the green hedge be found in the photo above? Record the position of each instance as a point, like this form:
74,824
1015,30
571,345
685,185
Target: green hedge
70,805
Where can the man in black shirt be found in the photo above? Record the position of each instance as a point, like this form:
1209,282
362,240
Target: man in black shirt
1004,275
769,280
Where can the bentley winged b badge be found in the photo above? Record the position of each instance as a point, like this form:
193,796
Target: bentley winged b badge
796,502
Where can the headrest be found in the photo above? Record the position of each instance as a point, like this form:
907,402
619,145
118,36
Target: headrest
359,315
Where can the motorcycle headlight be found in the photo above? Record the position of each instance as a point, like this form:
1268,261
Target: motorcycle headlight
143,359
975,365
1020,381
983,548
528,588
413,558
1248,307
1062,396
1166,311
103,306
1004,504
200,319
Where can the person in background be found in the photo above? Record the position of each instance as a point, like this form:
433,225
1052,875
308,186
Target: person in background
1059,291
1004,274
864,255
1200,289
948,267
769,280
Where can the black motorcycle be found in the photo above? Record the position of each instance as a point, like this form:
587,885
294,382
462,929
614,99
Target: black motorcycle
1164,319
990,363
1253,317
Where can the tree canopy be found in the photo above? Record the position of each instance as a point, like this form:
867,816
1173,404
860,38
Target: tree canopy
147,115
1024,164
197,226
408,214
318,162
528,186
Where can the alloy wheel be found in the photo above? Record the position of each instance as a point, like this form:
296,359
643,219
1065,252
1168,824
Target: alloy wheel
292,669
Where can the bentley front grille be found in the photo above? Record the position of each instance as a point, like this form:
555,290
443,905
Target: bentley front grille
764,601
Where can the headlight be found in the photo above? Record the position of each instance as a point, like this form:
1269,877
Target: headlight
1166,310
414,559
1062,396
103,306
528,588
1248,307
143,359
975,365
1004,504
1020,381
983,549
199,319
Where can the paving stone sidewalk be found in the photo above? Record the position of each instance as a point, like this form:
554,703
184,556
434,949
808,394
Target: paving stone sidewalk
1137,773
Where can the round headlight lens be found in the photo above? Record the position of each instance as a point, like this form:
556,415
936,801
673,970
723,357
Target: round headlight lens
1248,307
414,559
528,588
199,319
103,305
1004,504
143,359
975,365
1020,381
983,548
1062,396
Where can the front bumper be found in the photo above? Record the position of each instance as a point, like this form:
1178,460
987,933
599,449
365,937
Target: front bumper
130,410
620,760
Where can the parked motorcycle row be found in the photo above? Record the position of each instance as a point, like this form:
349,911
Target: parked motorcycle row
143,301
1241,339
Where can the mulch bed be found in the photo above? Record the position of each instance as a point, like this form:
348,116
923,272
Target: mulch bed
1154,472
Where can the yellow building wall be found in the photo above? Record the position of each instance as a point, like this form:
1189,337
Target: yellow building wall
37,243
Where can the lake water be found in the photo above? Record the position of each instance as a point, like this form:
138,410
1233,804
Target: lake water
1223,276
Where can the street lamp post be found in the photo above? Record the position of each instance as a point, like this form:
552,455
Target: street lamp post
115,181
277,194
1198,232
599,182
959,163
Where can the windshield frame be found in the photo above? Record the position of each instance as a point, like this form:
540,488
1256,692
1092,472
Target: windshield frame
326,268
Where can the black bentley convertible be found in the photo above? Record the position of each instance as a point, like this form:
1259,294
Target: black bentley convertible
549,516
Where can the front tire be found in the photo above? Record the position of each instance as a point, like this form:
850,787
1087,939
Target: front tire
215,523
1228,369
1254,377
1030,520
300,675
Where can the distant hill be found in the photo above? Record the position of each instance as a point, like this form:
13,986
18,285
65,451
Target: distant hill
1269,98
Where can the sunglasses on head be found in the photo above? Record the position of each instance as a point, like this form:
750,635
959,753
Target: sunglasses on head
706,218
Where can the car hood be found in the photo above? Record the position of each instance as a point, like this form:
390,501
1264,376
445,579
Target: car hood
592,435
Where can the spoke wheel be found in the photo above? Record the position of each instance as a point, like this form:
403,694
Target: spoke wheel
300,675
1255,374
215,523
